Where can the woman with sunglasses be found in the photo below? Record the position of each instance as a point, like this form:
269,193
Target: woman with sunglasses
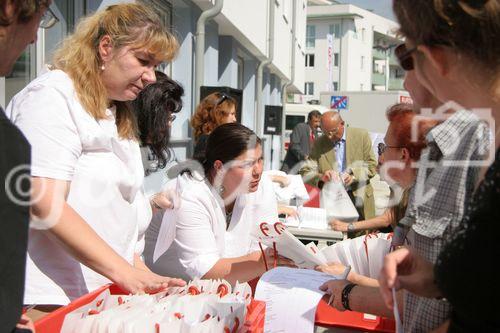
214,110
207,235
454,50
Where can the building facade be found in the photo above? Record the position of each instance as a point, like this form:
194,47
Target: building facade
349,49
244,35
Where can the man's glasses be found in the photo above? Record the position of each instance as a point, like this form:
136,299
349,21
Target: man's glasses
49,19
404,57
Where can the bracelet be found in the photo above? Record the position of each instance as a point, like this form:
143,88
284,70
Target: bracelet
345,295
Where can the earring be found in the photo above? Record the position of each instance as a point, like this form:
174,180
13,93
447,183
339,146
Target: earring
221,190
102,67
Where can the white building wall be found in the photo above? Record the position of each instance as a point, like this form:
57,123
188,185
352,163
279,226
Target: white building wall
356,42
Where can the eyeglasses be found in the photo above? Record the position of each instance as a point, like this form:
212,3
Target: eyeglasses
404,56
49,19
171,118
382,147
333,131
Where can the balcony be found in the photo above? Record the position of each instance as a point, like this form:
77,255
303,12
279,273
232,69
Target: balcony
378,79
396,84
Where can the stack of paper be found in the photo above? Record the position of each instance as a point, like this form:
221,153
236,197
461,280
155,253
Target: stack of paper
291,297
364,254
308,217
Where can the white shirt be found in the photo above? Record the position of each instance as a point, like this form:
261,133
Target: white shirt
106,176
195,233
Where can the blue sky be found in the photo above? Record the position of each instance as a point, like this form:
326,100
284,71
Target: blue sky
380,7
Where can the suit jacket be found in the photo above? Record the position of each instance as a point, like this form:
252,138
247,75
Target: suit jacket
14,221
299,146
359,158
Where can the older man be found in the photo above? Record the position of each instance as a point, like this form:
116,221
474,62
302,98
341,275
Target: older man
344,153
19,22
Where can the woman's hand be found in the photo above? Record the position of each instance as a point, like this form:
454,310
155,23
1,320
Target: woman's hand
282,180
164,200
280,260
289,211
138,281
338,225
335,268
334,289
405,269
26,323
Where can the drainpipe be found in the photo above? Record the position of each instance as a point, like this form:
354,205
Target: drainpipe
200,46
288,82
260,70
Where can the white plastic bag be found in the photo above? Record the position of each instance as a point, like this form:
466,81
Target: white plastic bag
335,200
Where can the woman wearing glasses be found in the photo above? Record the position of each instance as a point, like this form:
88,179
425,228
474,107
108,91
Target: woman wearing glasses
453,48
89,211
208,234
214,110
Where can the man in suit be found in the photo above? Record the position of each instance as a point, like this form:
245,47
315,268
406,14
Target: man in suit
344,153
19,22
301,141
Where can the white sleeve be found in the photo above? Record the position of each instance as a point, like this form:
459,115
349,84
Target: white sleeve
44,117
198,251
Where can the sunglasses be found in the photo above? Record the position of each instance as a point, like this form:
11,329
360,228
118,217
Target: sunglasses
222,98
404,57
49,19
382,147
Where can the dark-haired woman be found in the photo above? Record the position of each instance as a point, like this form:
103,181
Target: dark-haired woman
155,108
219,206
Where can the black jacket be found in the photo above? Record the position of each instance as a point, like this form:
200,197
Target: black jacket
14,220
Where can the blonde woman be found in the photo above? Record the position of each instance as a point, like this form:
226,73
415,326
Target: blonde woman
88,206
214,110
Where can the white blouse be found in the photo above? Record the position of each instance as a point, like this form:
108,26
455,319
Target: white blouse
106,176
189,240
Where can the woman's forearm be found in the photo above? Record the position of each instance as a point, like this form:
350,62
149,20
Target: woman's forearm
377,222
243,269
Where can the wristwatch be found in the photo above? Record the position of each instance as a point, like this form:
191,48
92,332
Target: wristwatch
350,227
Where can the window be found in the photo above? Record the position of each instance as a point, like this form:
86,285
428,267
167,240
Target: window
334,29
362,63
361,87
310,60
310,36
292,121
309,88
335,86
336,60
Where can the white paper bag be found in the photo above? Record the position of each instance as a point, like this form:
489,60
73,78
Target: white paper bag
335,200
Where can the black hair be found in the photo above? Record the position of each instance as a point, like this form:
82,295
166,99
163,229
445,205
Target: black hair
313,114
154,106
